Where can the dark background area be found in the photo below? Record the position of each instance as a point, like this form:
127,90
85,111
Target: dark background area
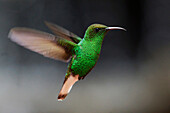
131,76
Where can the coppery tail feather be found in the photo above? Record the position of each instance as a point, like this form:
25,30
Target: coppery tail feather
67,85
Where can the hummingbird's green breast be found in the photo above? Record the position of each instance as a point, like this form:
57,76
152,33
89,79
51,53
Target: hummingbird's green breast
86,56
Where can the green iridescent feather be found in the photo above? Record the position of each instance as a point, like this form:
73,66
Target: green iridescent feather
87,52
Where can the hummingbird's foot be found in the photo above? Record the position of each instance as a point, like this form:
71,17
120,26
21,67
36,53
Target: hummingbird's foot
81,78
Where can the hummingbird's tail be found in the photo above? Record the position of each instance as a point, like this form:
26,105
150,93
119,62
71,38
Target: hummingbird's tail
67,85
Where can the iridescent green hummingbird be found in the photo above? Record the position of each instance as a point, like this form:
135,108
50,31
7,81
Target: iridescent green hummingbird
82,54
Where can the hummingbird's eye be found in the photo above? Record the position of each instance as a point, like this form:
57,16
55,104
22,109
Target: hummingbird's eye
97,30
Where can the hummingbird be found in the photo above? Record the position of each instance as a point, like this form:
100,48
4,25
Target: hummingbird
81,53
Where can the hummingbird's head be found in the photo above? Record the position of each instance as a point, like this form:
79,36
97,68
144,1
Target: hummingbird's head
99,31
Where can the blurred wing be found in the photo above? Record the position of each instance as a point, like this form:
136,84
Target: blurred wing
63,32
43,43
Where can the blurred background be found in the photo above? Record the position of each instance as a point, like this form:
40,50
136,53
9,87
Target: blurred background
131,76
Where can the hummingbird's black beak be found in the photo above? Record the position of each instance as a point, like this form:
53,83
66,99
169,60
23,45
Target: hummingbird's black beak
114,28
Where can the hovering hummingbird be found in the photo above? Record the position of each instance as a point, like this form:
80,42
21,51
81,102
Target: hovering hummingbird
82,54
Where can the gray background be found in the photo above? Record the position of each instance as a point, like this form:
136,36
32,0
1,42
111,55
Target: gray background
131,76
